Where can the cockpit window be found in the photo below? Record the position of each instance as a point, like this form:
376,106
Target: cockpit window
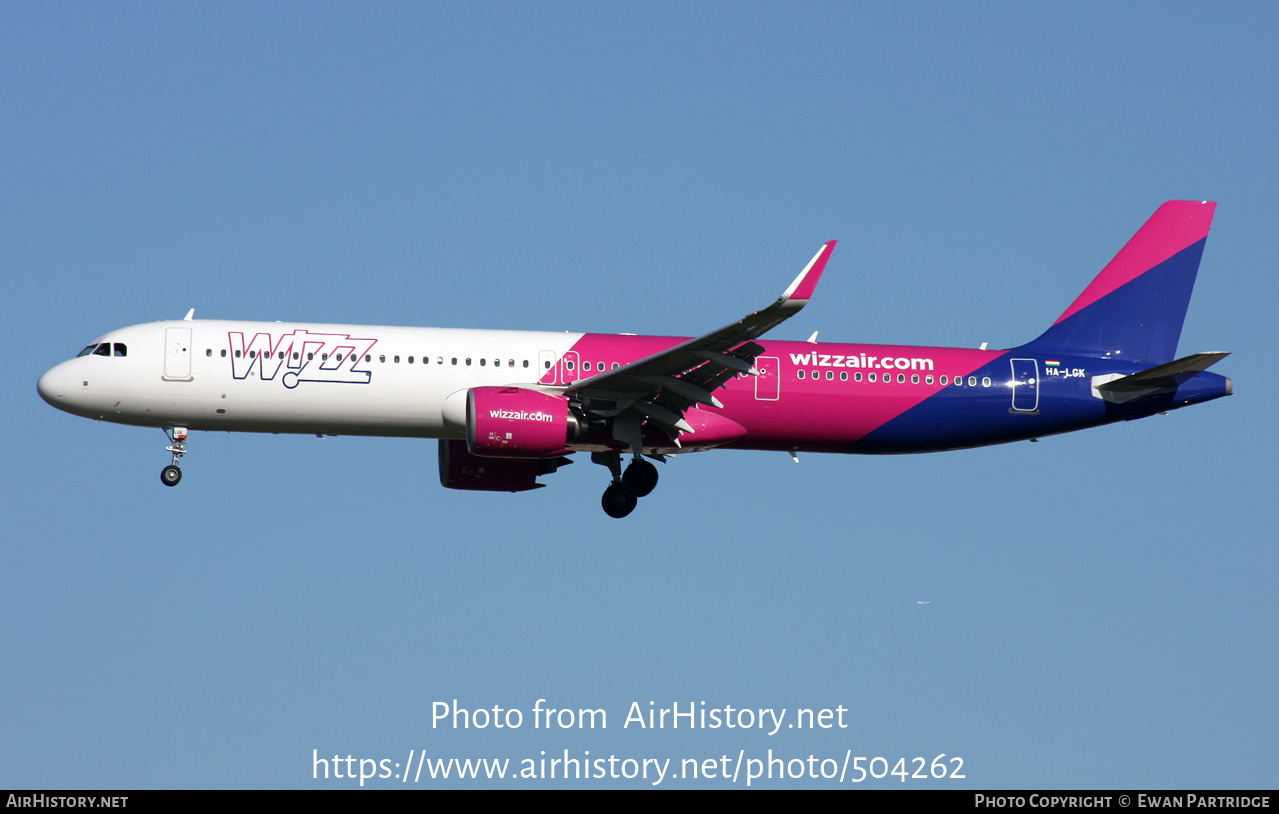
104,349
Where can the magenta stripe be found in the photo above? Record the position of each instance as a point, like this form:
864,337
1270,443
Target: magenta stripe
1173,227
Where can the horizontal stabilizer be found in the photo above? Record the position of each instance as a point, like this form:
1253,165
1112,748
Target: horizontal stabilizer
1152,379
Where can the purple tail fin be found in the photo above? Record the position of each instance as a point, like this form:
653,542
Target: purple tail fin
1135,307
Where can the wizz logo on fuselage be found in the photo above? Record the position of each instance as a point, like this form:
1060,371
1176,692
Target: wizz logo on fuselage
303,356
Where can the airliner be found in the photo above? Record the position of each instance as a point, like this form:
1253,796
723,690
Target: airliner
509,407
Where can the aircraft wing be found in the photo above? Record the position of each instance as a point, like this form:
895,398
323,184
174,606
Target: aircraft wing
659,388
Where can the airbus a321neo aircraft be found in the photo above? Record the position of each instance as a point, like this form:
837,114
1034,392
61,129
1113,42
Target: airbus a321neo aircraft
510,406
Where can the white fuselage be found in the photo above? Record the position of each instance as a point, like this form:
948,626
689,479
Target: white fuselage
293,377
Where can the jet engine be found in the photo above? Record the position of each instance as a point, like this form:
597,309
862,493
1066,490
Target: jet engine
512,422
460,469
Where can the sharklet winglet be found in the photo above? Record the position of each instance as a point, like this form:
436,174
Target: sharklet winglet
802,287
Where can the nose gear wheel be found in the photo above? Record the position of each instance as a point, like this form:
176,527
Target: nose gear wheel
172,473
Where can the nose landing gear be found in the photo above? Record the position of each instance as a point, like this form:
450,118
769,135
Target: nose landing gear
172,473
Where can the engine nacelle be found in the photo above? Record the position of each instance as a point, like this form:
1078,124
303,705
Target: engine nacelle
512,422
460,469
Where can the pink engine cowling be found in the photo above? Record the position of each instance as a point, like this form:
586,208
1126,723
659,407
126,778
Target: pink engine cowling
511,422
460,469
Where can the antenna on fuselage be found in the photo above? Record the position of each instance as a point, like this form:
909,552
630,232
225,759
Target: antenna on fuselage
190,315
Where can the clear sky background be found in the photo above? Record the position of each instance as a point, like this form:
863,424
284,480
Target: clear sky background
1102,608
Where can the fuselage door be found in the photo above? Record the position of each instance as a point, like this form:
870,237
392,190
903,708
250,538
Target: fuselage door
177,354
548,367
768,384
570,367
1025,385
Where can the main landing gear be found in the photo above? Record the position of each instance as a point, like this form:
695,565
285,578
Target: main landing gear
623,494
172,473
640,477
618,501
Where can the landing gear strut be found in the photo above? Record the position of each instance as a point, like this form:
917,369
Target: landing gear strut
623,494
172,473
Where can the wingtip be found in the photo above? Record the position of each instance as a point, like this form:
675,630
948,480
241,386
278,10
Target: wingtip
803,285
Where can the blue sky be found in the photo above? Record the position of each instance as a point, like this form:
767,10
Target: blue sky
1102,609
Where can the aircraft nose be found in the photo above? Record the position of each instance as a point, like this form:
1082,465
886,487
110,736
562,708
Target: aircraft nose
50,385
